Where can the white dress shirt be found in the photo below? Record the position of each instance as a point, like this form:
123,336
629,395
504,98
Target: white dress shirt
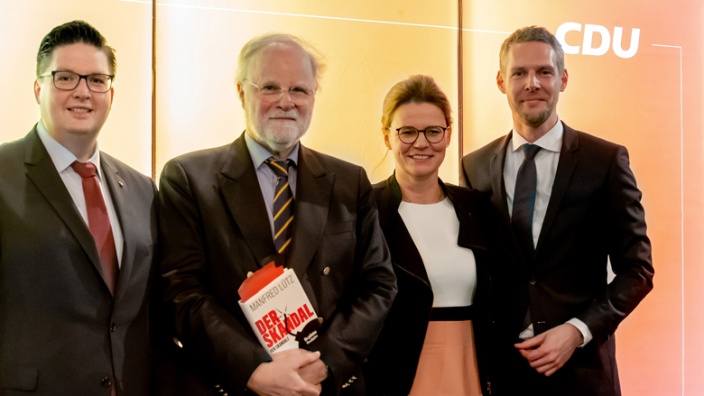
267,178
546,162
62,159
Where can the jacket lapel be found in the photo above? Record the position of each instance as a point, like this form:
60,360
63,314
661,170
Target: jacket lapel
313,193
42,172
565,169
123,205
496,174
469,235
243,197
498,198
406,255
400,241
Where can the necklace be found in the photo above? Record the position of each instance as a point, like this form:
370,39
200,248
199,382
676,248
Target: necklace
436,200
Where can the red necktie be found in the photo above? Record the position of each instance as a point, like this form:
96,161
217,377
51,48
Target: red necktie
99,222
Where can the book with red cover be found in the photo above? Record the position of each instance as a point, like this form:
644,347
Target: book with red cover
278,309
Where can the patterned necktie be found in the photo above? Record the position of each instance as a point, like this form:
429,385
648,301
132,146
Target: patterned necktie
524,201
283,205
99,222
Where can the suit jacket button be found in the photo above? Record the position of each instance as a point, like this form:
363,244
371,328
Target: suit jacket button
326,270
532,281
113,327
177,342
106,382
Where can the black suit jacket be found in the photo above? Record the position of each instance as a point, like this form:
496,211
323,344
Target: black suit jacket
594,215
215,229
393,362
61,331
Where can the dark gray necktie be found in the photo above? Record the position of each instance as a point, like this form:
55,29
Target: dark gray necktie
524,201
283,205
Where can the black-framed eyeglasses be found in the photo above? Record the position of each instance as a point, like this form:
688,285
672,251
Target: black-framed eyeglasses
68,81
433,134
272,93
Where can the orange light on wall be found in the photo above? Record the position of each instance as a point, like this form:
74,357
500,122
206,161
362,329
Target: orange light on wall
127,132
369,46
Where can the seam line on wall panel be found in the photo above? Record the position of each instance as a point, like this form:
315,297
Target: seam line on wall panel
460,88
156,3
154,145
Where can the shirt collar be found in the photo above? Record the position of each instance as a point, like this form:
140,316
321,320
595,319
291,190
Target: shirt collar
260,154
60,155
551,141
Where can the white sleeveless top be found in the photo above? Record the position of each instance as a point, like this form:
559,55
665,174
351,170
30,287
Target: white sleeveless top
451,268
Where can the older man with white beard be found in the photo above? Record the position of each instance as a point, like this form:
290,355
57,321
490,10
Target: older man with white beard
221,217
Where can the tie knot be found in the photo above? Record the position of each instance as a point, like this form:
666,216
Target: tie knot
530,151
85,169
280,167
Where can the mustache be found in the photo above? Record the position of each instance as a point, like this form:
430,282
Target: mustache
284,114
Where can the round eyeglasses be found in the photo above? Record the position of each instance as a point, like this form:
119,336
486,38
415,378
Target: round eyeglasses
271,93
409,134
68,80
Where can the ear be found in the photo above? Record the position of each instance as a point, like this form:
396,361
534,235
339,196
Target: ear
386,141
564,79
112,95
448,135
240,93
500,82
37,90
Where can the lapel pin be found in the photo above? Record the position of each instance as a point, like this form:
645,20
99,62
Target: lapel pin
120,183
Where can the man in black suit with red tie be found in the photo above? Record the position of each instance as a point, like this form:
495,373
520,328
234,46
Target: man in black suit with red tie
77,237
574,206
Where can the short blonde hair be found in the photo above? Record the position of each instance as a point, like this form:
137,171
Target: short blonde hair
532,34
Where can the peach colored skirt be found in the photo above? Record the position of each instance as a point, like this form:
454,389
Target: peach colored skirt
448,364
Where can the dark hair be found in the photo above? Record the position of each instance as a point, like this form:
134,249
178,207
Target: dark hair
528,34
415,89
71,33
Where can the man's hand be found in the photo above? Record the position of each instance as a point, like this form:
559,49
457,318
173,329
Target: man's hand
549,351
314,373
282,377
